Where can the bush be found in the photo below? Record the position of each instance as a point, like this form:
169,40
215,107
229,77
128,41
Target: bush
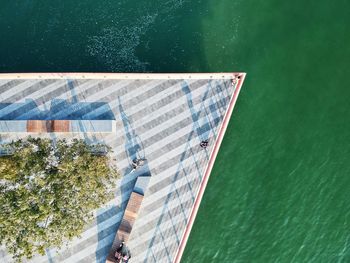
48,192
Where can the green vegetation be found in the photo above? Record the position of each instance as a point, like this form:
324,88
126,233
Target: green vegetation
48,192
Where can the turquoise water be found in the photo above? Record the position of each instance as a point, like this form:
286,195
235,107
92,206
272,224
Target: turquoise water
280,188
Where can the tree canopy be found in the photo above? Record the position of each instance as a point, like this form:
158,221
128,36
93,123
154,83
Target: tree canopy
48,192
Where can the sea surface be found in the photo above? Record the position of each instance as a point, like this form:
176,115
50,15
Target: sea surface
280,188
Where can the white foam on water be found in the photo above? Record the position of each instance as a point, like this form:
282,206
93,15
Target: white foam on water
117,46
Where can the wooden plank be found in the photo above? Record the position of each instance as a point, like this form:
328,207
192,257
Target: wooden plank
60,126
125,227
130,214
126,224
48,126
37,126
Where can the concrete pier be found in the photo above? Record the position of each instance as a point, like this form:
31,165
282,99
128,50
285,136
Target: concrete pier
160,117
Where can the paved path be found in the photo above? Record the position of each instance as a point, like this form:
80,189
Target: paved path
163,120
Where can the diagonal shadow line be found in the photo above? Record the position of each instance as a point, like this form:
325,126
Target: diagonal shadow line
58,91
203,130
196,130
102,216
133,144
59,110
80,123
18,111
133,149
162,134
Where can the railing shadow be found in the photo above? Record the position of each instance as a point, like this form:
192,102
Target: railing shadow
133,144
80,123
202,132
84,117
133,149
60,109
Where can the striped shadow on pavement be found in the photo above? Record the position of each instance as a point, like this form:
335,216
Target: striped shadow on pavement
160,117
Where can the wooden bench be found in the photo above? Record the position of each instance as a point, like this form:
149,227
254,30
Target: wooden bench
48,126
126,224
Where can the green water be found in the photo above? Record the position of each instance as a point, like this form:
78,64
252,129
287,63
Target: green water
280,189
